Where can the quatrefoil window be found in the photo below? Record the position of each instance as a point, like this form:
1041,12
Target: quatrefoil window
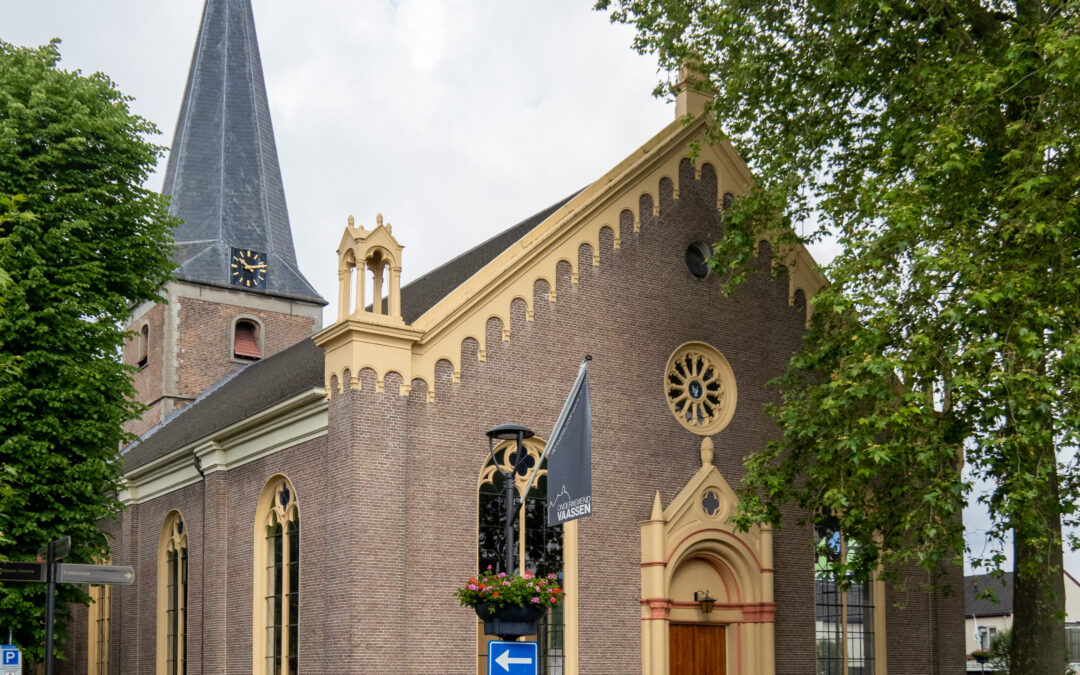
700,388
710,503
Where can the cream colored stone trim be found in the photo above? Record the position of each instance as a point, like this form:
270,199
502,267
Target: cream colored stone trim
382,343
172,540
100,610
689,546
700,364
881,663
269,507
277,428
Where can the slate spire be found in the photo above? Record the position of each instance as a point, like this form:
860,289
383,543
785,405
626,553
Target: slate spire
223,173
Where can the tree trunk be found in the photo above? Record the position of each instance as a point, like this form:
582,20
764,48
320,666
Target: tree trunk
1038,631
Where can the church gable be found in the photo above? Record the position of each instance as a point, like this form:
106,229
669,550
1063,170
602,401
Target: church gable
601,217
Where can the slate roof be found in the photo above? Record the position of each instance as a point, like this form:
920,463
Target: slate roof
301,367
1003,590
257,387
423,293
223,173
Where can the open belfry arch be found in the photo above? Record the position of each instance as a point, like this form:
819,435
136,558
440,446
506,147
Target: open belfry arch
362,252
692,546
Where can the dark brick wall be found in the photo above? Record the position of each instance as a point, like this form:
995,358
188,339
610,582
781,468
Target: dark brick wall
148,380
388,498
205,340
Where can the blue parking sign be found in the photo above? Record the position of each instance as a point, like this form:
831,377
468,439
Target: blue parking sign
512,658
10,658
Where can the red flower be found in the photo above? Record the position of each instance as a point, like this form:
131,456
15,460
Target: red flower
495,594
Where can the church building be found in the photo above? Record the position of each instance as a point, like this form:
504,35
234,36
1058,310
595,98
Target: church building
306,498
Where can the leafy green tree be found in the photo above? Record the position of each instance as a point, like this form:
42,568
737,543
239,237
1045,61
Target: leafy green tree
938,143
89,243
999,652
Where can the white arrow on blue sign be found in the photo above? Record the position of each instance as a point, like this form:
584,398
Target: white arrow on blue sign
513,658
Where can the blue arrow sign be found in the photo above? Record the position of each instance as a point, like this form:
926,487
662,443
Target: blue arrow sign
513,658
10,656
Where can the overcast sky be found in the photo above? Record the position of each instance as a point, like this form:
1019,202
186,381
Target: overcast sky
453,118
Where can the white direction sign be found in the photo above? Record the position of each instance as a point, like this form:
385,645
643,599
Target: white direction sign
513,658
10,660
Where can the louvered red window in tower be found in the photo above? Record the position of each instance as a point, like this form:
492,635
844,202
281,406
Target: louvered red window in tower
246,341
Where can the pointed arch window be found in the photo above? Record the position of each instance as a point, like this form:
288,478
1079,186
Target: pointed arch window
844,614
539,547
277,580
144,345
172,597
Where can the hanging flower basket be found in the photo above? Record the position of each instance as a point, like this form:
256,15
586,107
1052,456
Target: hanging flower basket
510,622
510,606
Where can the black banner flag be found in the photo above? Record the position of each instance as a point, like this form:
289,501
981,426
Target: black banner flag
569,456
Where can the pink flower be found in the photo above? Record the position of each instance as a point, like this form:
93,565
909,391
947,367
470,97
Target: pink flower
554,600
528,574
551,576
536,600
473,587
489,566
506,583
502,575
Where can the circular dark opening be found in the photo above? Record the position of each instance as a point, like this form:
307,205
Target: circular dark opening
695,390
696,255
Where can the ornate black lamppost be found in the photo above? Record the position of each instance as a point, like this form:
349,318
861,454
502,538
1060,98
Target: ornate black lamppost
509,432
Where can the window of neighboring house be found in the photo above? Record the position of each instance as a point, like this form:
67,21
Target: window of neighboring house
246,340
844,618
172,597
986,636
543,545
277,580
144,345
100,611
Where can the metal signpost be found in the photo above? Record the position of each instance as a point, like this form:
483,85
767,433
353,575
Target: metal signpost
51,572
10,660
513,658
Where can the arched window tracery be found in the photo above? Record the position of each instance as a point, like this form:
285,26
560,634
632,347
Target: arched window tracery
277,580
538,548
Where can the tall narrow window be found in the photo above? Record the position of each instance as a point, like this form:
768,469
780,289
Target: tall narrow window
538,548
277,582
172,597
844,618
144,345
100,614
246,340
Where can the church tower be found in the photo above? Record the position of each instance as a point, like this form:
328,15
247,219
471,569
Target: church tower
238,293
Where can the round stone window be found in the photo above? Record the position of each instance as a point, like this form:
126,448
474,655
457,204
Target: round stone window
696,255
700,388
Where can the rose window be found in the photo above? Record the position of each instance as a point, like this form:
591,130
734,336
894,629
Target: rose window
700,388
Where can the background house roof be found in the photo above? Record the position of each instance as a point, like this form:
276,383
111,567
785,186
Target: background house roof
1003,590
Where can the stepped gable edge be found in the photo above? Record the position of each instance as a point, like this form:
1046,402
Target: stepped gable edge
300,367
628,192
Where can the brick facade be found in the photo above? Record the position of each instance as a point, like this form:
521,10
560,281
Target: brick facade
387,496
190,347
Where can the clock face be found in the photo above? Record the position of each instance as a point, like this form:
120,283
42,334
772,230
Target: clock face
247,268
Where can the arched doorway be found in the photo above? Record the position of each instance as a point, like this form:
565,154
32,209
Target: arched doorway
691,550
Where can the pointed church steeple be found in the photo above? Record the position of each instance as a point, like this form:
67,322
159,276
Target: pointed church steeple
223,173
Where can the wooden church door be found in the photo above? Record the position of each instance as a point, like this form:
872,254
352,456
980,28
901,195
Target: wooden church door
697,649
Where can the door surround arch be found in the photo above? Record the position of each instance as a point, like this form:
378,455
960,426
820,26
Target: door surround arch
692,545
